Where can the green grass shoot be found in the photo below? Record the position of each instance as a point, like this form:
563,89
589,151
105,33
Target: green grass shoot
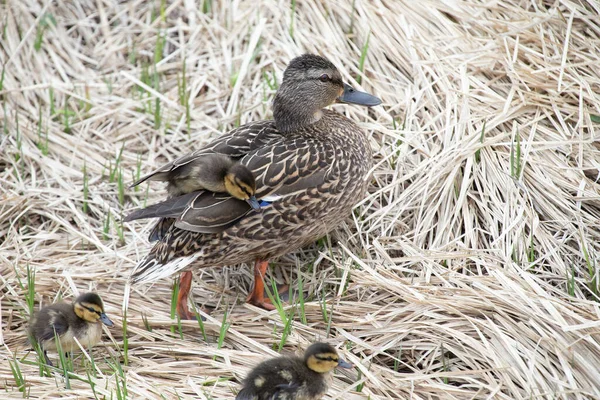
125,340
206,6
146,323
515,157
363,58
222,331
45,22
86,191
200,323
20,381
292,17
478,151
106,226
30,297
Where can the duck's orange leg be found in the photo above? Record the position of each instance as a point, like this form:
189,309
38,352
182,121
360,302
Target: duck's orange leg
257,297
185,285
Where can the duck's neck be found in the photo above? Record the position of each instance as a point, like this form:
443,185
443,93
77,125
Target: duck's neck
291,114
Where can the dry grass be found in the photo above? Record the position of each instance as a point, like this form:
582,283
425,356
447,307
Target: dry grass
470,271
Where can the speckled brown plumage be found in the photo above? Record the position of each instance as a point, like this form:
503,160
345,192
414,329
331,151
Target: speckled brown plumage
315,160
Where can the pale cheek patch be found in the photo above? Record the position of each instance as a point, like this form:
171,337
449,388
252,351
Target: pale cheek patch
259,381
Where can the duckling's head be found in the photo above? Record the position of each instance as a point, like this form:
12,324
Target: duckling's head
89,307
322,358
240,183
311,83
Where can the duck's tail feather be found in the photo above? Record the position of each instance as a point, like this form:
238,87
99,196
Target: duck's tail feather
151,269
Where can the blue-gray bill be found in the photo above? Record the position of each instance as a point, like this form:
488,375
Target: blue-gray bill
344,364
105,320
253,203
353,96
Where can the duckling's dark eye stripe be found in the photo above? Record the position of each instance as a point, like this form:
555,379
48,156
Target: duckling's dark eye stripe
326,358
90,309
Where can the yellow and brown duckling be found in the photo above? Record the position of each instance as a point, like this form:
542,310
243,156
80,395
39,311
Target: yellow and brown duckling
82,319
293,378
310,162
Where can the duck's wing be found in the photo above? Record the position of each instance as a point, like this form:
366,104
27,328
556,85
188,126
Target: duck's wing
235,144
170,208
292,165
203,212
212,213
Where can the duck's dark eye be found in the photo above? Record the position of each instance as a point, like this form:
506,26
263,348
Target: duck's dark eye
324,78
90,309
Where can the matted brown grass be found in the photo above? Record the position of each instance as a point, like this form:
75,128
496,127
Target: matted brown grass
470,270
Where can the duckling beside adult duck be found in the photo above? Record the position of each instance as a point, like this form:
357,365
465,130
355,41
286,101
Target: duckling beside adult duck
293,378
82,320
310,163
216,173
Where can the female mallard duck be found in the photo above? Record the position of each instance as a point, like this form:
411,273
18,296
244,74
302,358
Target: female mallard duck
311,164
293,378
82,320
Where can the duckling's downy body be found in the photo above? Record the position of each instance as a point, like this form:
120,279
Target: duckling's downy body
314,160
82,320
293,378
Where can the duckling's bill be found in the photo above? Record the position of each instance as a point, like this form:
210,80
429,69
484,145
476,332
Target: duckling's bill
344,364
353,96
105,320
253,203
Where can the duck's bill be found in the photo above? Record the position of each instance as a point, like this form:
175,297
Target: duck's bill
353,96
105,320
344,364
253,203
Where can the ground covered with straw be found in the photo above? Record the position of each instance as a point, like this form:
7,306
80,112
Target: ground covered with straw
469,272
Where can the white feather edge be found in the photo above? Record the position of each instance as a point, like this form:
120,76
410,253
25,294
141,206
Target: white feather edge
271,198
154,271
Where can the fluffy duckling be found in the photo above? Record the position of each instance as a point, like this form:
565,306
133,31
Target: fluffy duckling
293,378
82,320
215,172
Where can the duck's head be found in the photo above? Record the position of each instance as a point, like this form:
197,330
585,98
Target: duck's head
240,183
89,307
311,83
322,358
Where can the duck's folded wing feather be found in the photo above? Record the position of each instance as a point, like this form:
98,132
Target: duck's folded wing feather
212,213
235,144
203,211
290,166
170,208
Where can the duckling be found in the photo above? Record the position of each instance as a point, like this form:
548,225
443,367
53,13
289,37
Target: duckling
79,320
293,378
215,172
